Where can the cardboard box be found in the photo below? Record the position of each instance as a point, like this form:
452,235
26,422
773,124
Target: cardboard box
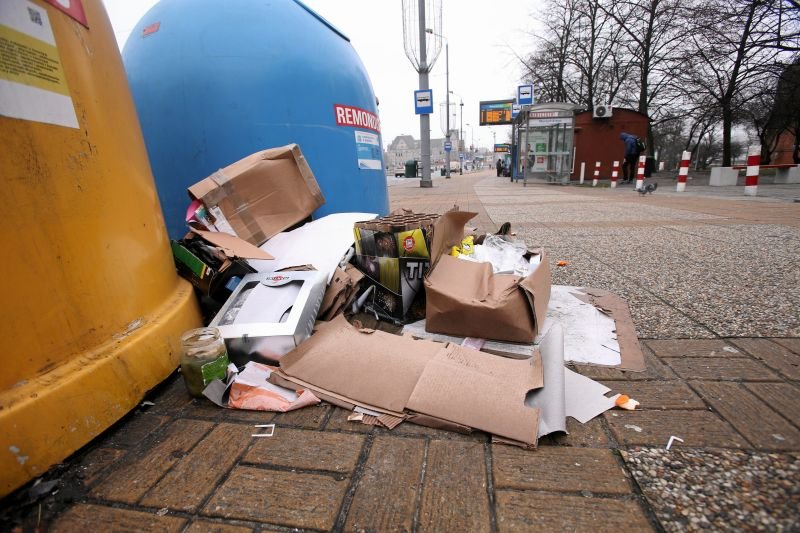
214,262
268,315
393,252
425,381
260,195
467,299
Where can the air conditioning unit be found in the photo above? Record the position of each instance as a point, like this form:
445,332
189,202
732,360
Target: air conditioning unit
602,111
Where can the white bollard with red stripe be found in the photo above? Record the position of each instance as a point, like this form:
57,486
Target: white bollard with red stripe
614,174
640,173
753,167
596,174
684,171
583,170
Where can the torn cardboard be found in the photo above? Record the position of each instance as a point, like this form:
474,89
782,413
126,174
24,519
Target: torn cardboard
260,195
466,299
631,355
340,292
590,335
404,376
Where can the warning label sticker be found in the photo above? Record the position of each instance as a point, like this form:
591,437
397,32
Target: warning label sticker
32,81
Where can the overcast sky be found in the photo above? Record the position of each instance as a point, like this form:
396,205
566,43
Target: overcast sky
483,36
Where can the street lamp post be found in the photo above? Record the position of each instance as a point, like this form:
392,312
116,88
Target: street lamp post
447,99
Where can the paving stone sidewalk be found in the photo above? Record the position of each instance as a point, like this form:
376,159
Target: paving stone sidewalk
713,286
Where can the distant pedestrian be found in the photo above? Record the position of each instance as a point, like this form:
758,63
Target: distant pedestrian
499,167
633,148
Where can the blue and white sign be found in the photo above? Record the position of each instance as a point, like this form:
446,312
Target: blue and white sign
515,109
448,146
368,151
423,102
525,94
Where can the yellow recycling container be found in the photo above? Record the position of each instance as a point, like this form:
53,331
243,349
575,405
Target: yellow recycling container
92,309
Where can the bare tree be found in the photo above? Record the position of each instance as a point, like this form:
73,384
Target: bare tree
731,55
547,66
653,39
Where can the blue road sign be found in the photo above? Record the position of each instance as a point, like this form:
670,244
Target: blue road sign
423,102
448,146
525,94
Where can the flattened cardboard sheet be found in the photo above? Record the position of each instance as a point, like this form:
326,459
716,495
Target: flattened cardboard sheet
452,383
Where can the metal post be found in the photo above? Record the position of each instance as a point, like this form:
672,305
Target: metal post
447,105
461,138
425,119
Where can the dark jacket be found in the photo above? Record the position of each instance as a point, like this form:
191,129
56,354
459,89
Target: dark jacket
630,144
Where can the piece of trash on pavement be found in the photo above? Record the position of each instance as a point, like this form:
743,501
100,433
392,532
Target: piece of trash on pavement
626,402
562,263
204,359
269,314
270,430
671,439
637,429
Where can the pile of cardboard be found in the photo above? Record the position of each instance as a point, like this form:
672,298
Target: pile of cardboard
292,288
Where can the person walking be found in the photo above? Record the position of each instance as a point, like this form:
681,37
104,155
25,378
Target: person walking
631,159
499,167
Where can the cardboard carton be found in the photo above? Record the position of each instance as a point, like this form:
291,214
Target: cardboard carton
260,195
214,262
393,252
467,299
270,314
417,379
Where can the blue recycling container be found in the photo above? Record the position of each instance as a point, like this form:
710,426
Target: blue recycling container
215,81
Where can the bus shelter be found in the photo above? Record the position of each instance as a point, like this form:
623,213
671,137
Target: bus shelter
545,139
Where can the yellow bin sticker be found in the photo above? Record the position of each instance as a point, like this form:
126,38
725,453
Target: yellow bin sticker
32,81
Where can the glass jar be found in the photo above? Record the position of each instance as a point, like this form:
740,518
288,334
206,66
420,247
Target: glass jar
203,359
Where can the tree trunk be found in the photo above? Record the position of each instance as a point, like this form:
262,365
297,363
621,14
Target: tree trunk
727,123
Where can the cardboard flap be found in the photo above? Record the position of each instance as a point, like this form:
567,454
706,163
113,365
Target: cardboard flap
447,232
232,246
471,388
377,368
538,283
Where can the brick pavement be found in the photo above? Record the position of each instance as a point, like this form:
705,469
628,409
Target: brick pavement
184,465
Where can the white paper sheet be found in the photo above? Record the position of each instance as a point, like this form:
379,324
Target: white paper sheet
322,243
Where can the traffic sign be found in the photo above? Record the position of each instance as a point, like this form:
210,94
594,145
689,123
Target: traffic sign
448,146
423,102
525,94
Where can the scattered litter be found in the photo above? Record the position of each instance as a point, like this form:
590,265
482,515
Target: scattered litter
671,440
778,437
730,349
269,433
626,402
637,429
40,488
163,511
562,263
146,404
270,314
